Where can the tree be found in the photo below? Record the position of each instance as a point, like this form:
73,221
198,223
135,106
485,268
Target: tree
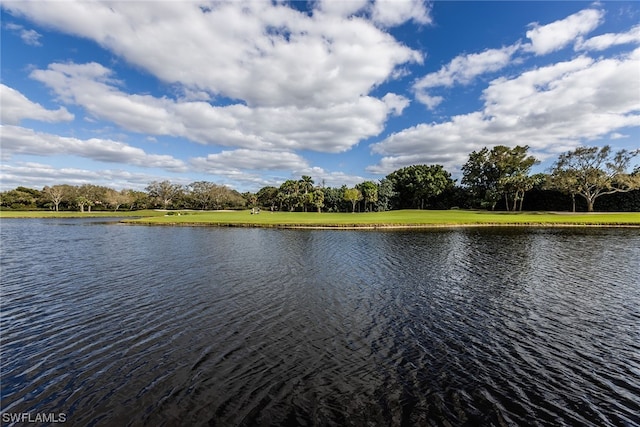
417,183
513,166
115,199
386,195
369,192
250,198
352,195
202,193
501,172
334,198
21,198
267,196
90,195
139,200
289,194
318,199
565,182
481,176
305,186
591,172
165,191
55,194
82,201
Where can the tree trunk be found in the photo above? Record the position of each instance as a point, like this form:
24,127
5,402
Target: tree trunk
521,201
589,205
506,201
573,202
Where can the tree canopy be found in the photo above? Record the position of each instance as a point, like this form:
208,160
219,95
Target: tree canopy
415,184
501,172
591,172
495,178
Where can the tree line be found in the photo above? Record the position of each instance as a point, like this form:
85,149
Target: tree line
498,179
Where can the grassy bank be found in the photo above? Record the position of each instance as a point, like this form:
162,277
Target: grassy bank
75,214
402,218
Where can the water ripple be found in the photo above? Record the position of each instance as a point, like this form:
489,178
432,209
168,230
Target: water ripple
192,326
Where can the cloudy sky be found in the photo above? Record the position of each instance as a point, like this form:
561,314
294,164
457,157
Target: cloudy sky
251,93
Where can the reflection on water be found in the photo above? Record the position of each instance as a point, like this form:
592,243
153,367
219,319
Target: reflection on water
113,324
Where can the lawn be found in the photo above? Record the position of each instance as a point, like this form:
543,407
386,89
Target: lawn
401,218
76,214
389,219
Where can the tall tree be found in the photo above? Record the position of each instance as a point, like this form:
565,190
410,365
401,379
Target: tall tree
369,192
591,172
417,183
202,193
289,194
318,198
334,198
481,176
55,194
305,186
352,195
164,191
501,172
386,195
115,199
267,196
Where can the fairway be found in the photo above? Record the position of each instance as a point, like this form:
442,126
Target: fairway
76,214
390,219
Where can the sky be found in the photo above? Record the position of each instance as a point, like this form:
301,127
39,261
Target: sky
251,93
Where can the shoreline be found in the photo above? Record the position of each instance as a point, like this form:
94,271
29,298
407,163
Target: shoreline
381,227
388,220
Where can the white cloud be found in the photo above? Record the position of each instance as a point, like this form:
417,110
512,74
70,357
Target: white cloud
329,178
390,13
617,135
551,109
396,103
265,54
254,168
551,37
15,107
39,175
608,40
19,140
333,128
430,101
342,8
245,159
30,37
462,70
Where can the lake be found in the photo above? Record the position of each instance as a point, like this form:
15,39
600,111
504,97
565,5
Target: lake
109,324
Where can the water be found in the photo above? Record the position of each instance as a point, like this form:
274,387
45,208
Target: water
111,324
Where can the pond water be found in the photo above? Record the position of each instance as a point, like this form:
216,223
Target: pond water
109,324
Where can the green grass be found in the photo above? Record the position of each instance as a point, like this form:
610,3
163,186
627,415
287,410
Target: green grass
76,214
402,218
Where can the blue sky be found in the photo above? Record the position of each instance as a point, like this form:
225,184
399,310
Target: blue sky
250,94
